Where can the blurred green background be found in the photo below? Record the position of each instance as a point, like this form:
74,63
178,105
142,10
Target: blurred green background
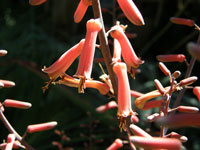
35,36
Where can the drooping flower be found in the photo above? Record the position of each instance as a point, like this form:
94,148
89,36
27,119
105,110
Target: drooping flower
116,51
36,2
156,143
81,9
107,106
131,12
63,63
87,54
128,52
124,93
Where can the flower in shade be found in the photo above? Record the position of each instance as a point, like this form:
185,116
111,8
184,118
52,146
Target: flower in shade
131,11
87,54
128,52
81,9
171,58
63,63
194,50
124,93
36,2
182,21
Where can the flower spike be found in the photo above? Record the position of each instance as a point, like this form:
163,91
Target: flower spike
131,12
128,52
81,10
87,54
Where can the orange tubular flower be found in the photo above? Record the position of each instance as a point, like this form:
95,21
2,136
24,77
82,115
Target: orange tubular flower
139,132
109,105
62,64
36,2
116,51
156,143
7,83
115,145
87,54
131,12
103,88
124,93
196,91
171,58
128,52
81,9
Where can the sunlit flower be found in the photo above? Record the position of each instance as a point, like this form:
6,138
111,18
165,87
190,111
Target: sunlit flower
131,11
10,142
116,51
3,52
81,9
124,93
63,63
138,131
128,52
87,54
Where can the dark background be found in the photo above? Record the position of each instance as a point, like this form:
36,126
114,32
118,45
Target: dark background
35,36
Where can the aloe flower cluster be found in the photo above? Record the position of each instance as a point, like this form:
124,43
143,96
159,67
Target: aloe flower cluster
125,62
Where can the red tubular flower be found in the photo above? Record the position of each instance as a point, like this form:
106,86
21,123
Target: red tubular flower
103,88
16,104
128,52
136,94
131,12
124,94
156,143
10,142
7,83
187,109
194,50
81,9
171,58
179,120
36,2
196,91
109,105
41,127
87,54
115,145
62,64
182,21
138,131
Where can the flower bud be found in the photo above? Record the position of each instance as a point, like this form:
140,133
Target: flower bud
109,105
182,21
196,91
159,86
188,81
171,58
164,69
36,2
115,145
3,52
16,104
139,132
41,127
